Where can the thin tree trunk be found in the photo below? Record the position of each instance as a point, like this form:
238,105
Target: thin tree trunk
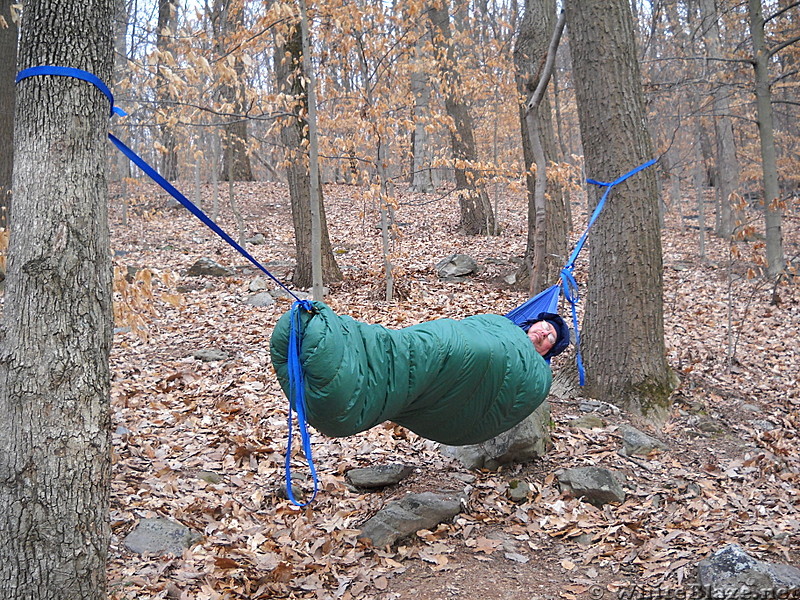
547,216
164,93
476,208
55,461
289,74
421,178
313,158
773,213
8,70
727,163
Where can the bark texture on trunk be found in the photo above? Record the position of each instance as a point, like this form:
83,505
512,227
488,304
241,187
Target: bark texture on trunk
773,213
623,330
54,373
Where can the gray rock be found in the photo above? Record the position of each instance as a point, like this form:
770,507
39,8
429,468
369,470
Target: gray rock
160,536
588,421
518,491
525,442
281,293
410,514
261,299
596,485
210,355
456,265
378,476
206,266
257,240
763,424
750,408
637,442
259,284
732,573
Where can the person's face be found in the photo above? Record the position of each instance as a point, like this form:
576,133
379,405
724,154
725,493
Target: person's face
543,335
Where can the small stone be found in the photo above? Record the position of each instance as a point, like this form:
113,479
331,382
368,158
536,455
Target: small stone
259,284
456,265
257,240
750,408
410,514
588,421
260,300
210,477
732,573
160,536
596,485
210,355
635,442
378,476
208,267
518,491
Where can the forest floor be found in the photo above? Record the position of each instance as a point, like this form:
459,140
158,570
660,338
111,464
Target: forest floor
202,443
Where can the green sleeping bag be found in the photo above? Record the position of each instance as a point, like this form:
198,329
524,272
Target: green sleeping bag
454,382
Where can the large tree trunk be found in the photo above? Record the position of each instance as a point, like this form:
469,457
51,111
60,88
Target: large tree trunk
623,332
773,214
54,374
552,229
8,70
476,210
294,135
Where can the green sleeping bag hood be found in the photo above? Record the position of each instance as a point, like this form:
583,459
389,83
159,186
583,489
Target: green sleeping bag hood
454,382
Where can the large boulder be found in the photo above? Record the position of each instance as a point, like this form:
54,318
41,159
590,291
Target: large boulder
525,442
732,573
408,515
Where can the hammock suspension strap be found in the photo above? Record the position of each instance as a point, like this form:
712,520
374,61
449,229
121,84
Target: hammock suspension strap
296,373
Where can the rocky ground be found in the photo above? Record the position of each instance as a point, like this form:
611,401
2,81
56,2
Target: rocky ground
200,427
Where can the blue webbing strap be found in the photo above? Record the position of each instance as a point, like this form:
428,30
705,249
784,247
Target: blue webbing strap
296,381
76,74
569,285
297,391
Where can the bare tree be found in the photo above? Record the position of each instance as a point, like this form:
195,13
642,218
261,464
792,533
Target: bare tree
548,219
289,75
773,213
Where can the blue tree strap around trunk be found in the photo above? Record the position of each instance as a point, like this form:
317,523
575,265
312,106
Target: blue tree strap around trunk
569,285
295,346
598,209
75,74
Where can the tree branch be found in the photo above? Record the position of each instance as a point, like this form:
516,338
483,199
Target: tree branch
781,11
537,95
783,45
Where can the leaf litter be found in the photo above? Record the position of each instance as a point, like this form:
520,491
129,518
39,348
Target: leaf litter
202,443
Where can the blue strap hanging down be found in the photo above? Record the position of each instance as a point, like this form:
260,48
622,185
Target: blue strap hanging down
296,374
